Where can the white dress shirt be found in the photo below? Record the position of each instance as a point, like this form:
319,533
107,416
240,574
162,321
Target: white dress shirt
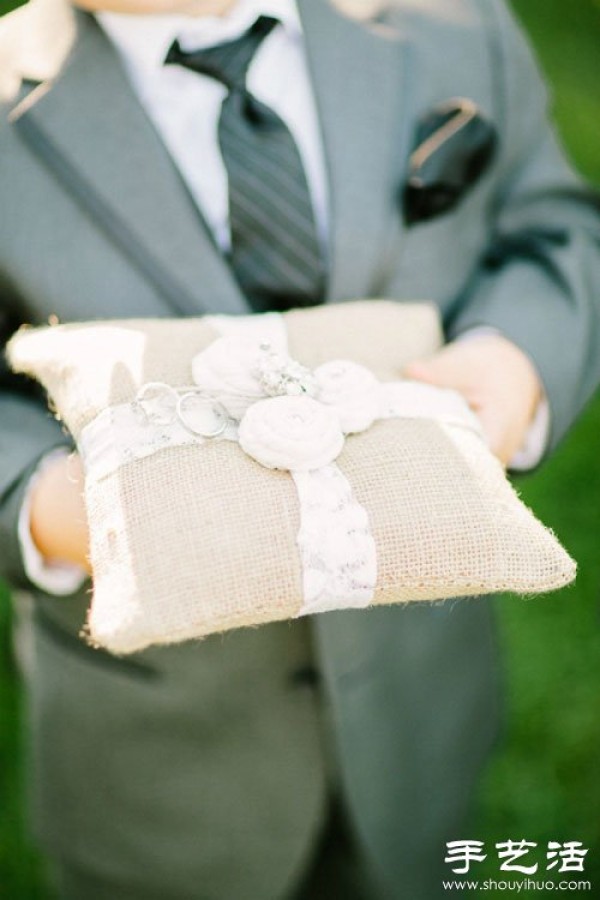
184,107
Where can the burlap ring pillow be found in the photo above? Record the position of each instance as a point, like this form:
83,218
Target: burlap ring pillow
247,469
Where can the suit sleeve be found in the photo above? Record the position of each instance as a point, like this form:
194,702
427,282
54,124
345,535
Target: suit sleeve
539,283
28,432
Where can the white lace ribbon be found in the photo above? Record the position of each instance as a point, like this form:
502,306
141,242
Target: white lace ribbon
416,400
336,547
120,435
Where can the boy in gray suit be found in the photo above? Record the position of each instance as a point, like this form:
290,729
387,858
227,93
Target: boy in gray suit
327,757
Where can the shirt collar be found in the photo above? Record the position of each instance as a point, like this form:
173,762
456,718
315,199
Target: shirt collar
145,39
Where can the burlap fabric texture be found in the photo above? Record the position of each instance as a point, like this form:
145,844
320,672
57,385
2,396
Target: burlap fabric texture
195,540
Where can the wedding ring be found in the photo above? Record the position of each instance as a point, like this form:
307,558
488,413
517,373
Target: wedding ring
205,418
158,402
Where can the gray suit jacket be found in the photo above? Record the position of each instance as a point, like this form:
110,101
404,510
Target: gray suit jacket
204,769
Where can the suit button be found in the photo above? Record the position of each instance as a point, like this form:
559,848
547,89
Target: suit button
305,676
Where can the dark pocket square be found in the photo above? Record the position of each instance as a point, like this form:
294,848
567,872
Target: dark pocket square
454,145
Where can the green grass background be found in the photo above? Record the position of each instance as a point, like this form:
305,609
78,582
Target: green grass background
544,783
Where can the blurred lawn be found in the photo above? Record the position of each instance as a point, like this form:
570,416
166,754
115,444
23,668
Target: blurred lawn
544,782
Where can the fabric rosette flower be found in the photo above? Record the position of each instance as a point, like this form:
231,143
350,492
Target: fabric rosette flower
227,370
291,433
351,390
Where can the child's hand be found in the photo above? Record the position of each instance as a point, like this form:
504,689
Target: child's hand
58,518
498,381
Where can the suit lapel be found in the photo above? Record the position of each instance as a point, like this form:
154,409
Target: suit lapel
89,127
358,71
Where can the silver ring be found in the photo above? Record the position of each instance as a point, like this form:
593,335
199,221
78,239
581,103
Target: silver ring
165,389
214,407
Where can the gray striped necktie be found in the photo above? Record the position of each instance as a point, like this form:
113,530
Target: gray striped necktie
275,253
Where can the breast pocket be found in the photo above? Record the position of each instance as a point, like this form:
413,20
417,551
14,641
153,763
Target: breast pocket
434,259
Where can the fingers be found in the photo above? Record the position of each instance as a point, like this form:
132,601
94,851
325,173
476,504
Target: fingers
58,516
497,380
451,368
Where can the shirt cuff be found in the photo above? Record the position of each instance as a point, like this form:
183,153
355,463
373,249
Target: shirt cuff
538,434
60,579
